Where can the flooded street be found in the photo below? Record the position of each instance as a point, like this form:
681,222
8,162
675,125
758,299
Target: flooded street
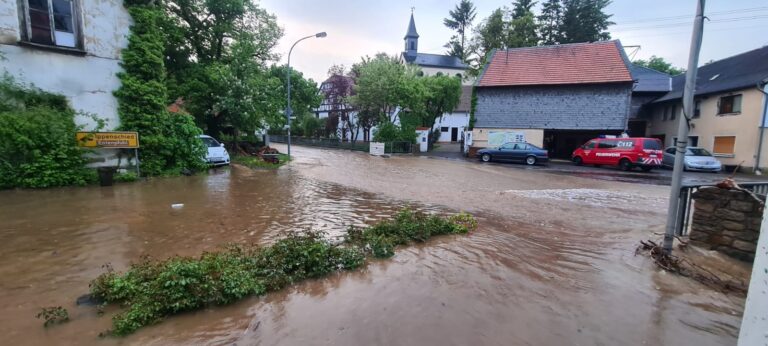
552,262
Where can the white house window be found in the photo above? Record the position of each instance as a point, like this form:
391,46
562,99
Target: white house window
729,104
52,22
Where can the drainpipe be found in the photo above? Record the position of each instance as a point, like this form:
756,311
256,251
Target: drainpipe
763,87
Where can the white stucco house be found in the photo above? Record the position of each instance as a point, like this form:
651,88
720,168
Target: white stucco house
67,47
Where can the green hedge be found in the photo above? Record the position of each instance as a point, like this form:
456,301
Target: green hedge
37,139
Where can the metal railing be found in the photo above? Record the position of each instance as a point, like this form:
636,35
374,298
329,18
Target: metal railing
389,147
685,210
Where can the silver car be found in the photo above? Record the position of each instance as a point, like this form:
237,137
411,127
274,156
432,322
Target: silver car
696,159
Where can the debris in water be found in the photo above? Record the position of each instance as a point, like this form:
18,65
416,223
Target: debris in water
683,267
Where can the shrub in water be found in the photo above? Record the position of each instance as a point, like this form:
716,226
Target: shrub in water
151,290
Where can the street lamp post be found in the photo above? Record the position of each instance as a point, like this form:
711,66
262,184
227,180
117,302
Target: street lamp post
288,110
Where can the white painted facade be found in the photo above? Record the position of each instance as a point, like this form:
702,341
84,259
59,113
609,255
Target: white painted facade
452,126
86,73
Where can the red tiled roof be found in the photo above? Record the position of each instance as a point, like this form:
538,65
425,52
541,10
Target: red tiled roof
579,63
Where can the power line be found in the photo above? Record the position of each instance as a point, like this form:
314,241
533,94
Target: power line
688,32
660,19
671,25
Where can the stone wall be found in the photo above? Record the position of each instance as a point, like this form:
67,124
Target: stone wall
574,107
727,221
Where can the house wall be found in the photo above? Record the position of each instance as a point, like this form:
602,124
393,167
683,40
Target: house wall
744,126
431,71
458,120
578,107
480,136
87,81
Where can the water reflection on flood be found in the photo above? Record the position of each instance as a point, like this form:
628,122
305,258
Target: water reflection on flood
509,283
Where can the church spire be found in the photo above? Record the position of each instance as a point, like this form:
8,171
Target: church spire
411,41
411,28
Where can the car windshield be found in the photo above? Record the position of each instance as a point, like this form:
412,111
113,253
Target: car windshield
210,142
652,144
697,152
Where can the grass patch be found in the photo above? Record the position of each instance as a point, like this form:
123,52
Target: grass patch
257,162
151,290
126,177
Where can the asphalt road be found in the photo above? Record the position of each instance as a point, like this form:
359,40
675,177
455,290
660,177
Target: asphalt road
655,177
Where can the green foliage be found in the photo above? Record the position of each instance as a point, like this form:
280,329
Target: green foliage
309,126
216,55
585,21
389,132
257,162
126,177
659,64
460,19
53,315
150,290
169,142
407,226
550,20
383,84
37,139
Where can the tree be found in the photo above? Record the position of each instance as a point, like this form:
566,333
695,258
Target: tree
202,39
490,34
585,21
659,64
550,21
379,86
337,89
442,96
305,94
522,8
522,29
169,142
459,20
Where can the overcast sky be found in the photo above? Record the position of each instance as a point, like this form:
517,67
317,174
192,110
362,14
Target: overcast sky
358,28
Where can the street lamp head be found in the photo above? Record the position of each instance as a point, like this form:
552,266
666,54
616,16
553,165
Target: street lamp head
321,34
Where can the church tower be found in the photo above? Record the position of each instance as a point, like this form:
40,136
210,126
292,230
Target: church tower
411,41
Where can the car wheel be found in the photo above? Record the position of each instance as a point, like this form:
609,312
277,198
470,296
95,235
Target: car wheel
578,161
486,157
625,165
530,160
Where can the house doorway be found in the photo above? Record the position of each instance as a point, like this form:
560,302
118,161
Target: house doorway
454,134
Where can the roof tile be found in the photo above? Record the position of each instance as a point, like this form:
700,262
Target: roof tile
579,63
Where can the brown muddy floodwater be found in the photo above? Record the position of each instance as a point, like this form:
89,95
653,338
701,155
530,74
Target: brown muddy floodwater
552,262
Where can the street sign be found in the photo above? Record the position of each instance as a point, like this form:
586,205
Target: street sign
119,139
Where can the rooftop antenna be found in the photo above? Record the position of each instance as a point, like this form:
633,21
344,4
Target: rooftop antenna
633,51
412,9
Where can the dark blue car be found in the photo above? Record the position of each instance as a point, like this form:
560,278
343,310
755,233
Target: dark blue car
516,152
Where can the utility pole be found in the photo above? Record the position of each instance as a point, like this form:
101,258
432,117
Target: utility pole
682,130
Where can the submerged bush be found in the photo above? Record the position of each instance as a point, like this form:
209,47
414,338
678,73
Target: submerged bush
151,290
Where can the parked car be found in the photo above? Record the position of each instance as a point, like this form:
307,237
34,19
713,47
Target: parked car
517,152
627,153
696,159
216,155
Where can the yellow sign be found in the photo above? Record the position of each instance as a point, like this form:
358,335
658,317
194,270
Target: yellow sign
108,139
